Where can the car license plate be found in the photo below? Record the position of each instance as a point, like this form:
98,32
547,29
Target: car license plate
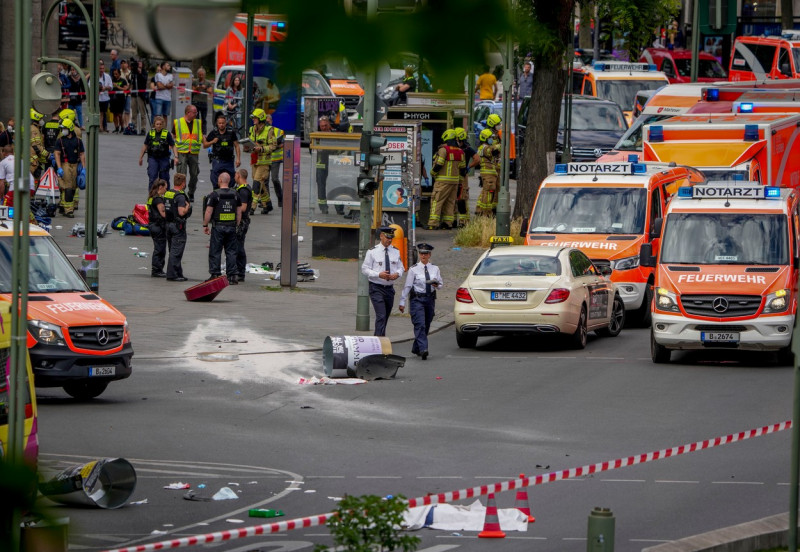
719,337
509,296
101,371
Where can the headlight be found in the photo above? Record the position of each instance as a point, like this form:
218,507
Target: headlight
666,300
46,333
777,301
626,264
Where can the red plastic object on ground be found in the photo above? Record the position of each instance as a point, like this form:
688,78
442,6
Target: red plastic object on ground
206,291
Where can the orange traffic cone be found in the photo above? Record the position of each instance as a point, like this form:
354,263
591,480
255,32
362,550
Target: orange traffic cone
522,503
491,525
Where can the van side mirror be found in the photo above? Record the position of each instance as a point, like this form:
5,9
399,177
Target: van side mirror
646,255
655,232
605,270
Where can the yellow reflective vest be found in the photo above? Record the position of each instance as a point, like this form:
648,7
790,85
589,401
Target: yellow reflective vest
187,140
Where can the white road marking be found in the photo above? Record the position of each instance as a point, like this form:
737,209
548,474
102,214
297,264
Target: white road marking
439,477
625,480
670,481
379,477
737,482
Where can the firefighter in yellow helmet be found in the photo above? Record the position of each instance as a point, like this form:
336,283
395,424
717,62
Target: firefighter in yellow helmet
462,196
264,144
489,154
277,159
69,153
38,152
449,166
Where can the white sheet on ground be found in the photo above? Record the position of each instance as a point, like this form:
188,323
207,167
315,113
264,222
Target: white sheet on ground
455,517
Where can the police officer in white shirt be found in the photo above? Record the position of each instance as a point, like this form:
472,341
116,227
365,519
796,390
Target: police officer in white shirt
422,282
382,266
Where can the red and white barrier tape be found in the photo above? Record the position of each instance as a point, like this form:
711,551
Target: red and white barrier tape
466,493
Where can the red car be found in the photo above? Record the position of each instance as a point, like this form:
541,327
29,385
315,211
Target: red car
677,65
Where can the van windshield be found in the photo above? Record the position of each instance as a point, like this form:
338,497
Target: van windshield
590,211
622,92
49,270
593,115
632,139
722,238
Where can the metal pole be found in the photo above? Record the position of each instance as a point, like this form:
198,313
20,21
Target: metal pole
566,156
795,460
695,39
20,247
365,215
503,197
90,264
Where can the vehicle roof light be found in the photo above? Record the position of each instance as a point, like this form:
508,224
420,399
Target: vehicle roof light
560,168
712,95
746,107
685,191
633,158
772,192
751,133
738,176
656,133
639,168
500,240
601,168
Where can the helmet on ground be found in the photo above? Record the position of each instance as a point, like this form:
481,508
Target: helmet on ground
259,114
36,116
485,134
493,120
461,134
448,134
68,124
67,114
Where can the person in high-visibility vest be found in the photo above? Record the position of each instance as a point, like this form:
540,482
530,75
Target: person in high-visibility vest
489,153
188,140
449,166
264,144
276,159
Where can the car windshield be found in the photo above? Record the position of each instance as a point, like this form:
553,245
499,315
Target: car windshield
337,68
622,92
49,271
519,265
590,211
724,174
722,238
707,68
315,86
594,115
632,139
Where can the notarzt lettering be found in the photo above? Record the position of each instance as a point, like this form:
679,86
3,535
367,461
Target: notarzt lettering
714,278
740,191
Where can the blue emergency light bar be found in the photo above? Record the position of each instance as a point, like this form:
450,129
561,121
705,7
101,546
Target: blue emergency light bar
751,133
656,133
600,168
712,95
746,107
633,158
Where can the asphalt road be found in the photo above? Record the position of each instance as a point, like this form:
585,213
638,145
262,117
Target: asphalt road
461,419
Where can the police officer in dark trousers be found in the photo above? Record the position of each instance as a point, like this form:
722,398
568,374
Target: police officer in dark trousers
246,197
178,209
382,266
157,216
157,145
224,144
224,212
422,281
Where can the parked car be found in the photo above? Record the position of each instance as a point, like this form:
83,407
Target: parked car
536,289
480,113
72,28
677,65
597,126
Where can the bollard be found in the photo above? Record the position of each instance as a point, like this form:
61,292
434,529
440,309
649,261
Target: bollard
600,535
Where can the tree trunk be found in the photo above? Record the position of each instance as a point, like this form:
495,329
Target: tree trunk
787,14
549,79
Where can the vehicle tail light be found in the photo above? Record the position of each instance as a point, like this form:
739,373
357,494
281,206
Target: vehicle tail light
463,296
558,295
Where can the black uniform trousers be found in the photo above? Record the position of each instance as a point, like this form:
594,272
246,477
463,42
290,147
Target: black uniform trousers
241,255
176,239
382,298
158,232
223,236
421,309
218,167
157,167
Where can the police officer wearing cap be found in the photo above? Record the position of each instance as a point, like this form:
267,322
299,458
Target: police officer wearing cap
382,266
224,212
422,281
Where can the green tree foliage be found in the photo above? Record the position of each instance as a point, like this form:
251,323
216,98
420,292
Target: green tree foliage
370,523
638,20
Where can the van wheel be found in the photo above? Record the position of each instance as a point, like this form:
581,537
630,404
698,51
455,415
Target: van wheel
578,339
617,320
659,353
466,341
85,389
643,316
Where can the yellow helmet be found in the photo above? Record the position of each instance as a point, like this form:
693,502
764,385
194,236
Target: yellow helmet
461,134
493,120
67,114
448,134
36,116
259,114
485,134
68,124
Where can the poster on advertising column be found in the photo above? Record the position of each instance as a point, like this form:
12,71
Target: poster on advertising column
270,89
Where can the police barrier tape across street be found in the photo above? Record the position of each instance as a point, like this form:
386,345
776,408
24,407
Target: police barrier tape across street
321,519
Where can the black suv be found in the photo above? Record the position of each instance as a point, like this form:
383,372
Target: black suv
597,125
72,28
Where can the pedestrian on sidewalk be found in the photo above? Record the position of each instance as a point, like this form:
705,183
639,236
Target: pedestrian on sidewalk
422,281
382,266
224,213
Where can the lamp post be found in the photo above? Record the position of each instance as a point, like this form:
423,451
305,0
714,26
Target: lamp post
90,265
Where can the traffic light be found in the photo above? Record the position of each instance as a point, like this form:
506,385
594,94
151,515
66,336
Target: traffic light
371,155
366,185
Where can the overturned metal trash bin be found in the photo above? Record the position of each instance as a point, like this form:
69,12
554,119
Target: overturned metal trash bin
374,367
106,483
341,354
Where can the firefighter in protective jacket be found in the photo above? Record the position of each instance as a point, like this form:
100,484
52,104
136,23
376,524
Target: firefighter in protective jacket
449,166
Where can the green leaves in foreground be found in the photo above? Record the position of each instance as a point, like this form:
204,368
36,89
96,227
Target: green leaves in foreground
370,523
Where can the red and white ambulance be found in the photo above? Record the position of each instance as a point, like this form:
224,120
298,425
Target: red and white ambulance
607,210
726,272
